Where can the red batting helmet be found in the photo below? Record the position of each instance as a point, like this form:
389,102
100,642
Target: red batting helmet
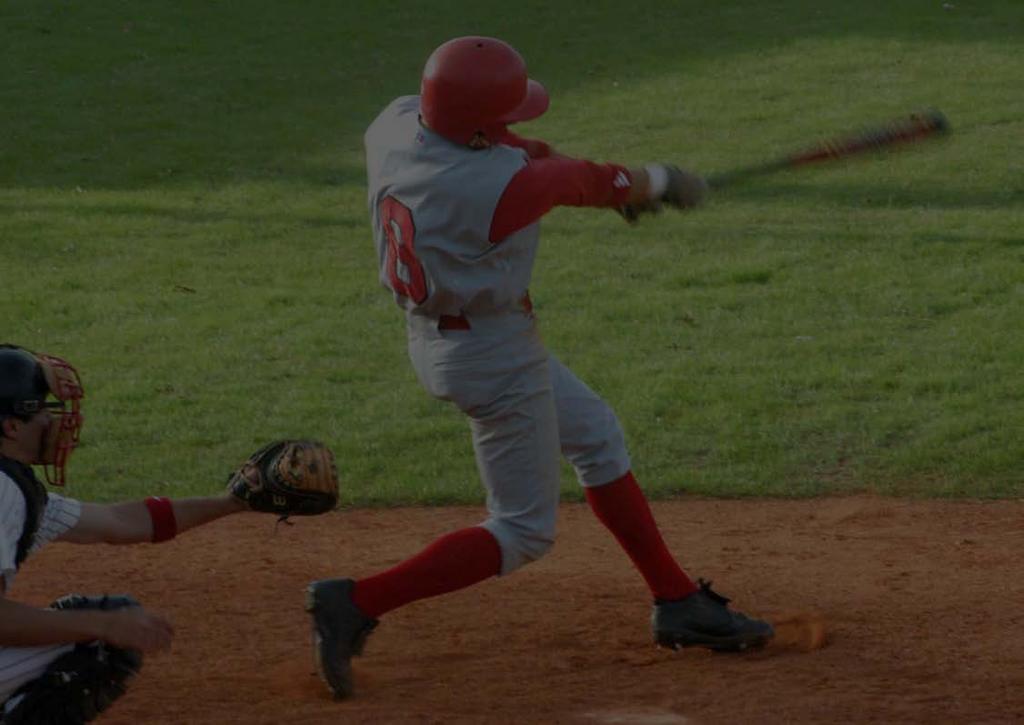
478,85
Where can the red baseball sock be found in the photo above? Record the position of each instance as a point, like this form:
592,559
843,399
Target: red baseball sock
455,561
622,507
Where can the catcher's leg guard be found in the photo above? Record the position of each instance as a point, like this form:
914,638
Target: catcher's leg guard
703,619
339,632
80,684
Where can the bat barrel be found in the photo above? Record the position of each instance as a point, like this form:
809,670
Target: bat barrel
916,127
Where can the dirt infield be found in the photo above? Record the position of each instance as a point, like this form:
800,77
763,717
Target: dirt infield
921,602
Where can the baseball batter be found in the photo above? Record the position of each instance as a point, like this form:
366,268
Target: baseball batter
455,200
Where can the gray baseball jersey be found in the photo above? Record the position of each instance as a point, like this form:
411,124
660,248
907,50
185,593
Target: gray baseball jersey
18,665
432,203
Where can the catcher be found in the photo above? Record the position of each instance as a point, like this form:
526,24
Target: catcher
70,661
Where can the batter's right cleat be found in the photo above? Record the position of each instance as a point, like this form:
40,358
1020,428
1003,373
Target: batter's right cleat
704,619
339,632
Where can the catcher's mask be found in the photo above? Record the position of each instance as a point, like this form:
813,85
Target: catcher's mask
475,86
31,382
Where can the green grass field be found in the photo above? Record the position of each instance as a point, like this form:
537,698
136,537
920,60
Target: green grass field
182,215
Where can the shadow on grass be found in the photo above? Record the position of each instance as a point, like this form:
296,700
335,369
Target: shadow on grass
920,194
125,96
184,215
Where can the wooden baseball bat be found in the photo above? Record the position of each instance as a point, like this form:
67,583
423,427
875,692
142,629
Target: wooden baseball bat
916,127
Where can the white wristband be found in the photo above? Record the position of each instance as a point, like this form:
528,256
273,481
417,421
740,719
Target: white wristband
657,181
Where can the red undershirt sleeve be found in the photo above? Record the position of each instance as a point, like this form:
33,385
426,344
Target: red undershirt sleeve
545,183
534,149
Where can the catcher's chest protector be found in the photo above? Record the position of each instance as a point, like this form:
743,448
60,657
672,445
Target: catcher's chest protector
35,501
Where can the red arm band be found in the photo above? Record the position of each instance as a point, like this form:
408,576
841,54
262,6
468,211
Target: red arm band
161,510
546,183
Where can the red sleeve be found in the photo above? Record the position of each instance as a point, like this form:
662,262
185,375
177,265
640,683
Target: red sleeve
546,183
534,149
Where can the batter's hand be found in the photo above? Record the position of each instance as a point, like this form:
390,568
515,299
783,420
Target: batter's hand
658,184
135,628
685,189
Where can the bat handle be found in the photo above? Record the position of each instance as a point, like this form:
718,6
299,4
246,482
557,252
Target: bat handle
725,179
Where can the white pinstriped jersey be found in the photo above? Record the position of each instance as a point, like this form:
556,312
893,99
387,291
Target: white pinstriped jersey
59,515
21,664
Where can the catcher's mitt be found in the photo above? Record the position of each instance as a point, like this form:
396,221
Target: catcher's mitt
288,478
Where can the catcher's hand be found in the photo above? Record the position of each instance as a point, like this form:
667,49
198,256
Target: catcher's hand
288,478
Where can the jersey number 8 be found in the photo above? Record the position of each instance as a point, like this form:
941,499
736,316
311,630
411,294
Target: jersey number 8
404,270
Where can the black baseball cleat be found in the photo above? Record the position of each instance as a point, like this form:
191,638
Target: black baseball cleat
704,619
339,632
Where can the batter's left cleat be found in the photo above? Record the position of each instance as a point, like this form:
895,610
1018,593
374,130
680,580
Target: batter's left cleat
704,619
340,630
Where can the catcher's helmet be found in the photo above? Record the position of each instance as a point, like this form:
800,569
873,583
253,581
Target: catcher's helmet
23,385
477,85
27,380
